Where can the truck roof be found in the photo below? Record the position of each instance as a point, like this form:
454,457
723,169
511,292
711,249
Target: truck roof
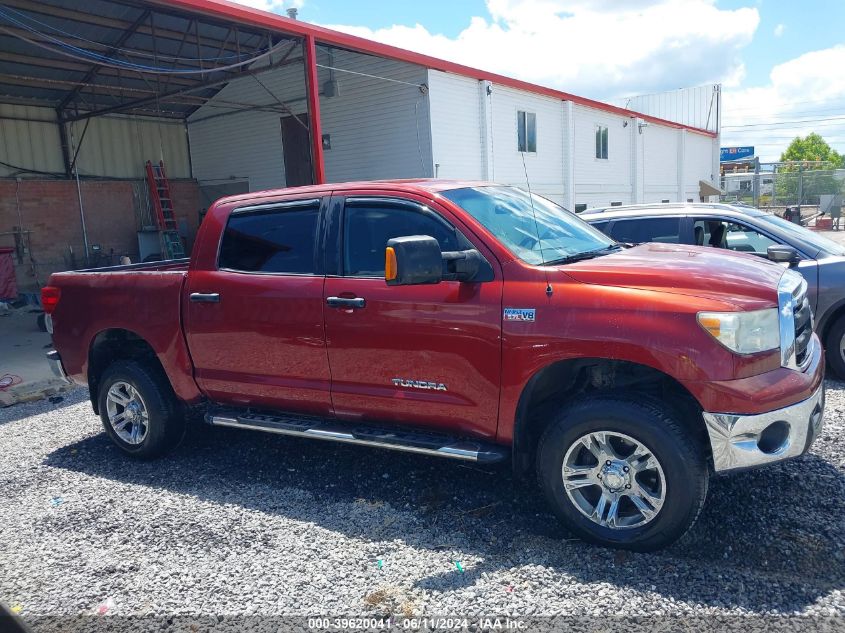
411,185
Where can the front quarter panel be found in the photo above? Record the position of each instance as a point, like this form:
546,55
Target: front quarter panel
655,329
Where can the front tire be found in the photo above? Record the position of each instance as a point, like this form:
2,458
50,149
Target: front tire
139,410
834,347
622,472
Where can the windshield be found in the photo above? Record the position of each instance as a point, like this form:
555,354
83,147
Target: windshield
808,236
508,214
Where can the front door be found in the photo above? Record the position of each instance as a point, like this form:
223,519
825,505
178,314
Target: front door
425,355
741,238
255,322
296,150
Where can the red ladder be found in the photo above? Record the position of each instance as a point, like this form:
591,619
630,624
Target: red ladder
171,242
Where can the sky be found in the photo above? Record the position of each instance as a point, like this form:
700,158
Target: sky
781,63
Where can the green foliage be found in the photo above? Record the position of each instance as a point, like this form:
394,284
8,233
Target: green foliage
812,148
815,179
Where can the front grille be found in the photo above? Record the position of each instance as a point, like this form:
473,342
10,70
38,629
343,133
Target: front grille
803,325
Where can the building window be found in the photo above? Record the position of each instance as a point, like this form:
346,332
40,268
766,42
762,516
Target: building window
526,131
601,141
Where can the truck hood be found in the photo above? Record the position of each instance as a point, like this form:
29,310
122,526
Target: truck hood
745,281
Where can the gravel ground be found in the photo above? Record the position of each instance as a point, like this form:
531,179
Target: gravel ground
237,523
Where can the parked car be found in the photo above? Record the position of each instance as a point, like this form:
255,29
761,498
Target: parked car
464,320
748,230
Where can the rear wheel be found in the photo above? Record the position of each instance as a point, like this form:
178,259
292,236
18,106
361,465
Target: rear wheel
835,347
622,472
138,409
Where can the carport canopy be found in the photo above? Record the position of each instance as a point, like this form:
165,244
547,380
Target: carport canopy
150,58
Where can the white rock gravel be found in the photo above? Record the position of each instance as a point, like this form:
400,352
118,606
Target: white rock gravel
236,523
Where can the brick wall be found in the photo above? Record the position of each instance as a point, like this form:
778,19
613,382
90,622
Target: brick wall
50,210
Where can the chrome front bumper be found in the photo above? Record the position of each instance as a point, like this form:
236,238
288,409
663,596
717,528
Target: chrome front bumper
746,441
56,365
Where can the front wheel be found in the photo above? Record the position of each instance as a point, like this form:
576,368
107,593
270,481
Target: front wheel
622,472
834,347
138,409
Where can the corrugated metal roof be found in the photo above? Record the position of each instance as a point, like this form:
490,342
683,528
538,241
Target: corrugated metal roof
88,56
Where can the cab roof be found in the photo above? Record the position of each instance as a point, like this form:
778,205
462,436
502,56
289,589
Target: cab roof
424,186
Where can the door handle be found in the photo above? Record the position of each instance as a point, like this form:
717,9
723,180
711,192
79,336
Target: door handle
343,302
205,297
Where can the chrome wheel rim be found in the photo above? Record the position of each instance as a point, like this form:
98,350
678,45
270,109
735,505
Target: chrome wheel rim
614,480
127,413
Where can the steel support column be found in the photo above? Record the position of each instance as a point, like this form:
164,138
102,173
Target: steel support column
313,87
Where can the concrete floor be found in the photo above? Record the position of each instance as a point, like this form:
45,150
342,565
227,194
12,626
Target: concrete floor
22,358
836,236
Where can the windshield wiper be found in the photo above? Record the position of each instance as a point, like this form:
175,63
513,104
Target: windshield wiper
585,255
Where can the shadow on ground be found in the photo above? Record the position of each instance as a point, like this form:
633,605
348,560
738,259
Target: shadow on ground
781,525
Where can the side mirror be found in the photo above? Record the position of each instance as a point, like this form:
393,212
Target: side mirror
462,265
782,254
413,260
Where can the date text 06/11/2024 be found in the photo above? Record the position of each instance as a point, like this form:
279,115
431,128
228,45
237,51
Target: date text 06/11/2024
418,624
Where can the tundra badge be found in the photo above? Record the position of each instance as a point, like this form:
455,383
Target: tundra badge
519,314
419,384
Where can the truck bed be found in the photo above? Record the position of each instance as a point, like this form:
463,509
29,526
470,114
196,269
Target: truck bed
135,300
166,265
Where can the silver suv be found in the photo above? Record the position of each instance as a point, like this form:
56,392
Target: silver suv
747,230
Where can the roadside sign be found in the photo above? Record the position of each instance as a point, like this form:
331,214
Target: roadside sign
736,153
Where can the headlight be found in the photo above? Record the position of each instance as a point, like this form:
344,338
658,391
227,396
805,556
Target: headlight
743,332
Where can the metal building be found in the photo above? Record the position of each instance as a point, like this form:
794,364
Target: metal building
233,99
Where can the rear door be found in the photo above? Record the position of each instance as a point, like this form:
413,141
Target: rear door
425,355
255,321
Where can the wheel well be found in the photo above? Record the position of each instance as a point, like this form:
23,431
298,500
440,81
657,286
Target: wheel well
830,319
563,381
111,345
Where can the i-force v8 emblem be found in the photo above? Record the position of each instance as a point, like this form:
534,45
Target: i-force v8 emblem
418,384
519,314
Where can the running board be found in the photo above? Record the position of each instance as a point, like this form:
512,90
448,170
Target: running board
380,437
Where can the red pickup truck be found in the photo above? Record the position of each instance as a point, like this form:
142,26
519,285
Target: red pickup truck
466,320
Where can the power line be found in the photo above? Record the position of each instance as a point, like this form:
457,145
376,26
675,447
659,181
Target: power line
793,103
781,123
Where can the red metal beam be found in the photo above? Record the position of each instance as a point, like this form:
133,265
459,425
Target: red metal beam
221,9
313,86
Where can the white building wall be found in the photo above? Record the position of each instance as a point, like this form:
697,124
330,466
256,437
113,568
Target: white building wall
599,181
378,128
545,167
456,132
660,162
698,164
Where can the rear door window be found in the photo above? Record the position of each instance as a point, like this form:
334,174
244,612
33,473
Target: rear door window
276,239
636,231
602,226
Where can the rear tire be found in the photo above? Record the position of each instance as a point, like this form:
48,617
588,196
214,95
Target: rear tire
636,479
139,411
833,346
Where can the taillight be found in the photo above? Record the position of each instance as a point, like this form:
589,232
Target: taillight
50,298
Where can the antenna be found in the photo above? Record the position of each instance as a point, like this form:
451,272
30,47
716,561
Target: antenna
549,290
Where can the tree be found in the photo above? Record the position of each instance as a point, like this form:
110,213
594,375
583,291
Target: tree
812,148
815,179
